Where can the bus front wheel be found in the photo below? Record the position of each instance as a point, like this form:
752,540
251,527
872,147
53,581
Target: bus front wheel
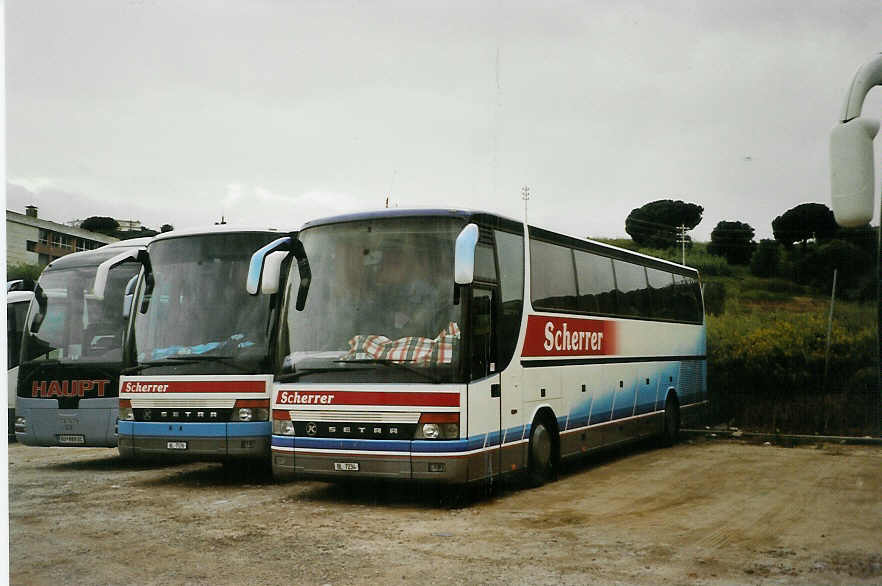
540,465
672,421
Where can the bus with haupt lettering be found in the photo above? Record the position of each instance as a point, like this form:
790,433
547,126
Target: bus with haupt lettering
456,346
198,367
71,352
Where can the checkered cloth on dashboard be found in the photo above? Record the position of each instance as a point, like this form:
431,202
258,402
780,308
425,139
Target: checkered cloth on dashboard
411,349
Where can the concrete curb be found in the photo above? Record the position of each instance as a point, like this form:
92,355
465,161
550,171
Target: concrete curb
786,438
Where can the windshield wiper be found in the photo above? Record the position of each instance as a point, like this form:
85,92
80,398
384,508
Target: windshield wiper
190,358
395,364
292,376
38,360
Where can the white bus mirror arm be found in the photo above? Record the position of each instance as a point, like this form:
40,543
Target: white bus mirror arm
464,255
104,271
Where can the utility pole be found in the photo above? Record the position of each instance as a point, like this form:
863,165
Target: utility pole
681,239
525,195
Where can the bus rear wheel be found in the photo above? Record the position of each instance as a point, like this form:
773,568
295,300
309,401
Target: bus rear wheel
540,464
671,433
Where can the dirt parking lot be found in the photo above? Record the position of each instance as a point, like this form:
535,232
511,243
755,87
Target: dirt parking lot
703,512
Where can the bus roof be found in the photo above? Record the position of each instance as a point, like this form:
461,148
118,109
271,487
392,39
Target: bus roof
96,256
463,214
17,296
215,229
495,219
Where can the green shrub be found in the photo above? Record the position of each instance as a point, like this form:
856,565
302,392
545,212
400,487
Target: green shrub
23,271
714,297
764,262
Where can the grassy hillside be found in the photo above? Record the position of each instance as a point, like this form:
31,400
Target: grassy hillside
767,348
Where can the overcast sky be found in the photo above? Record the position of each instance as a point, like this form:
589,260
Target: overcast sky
275,113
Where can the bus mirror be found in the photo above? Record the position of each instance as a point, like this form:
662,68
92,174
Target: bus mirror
105,268
253,281
129,297
464,255
851,171
305,273
42,306
272,272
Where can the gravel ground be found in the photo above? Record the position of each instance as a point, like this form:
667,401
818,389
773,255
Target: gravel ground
702,512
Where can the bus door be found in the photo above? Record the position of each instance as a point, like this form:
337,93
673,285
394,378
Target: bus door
485,405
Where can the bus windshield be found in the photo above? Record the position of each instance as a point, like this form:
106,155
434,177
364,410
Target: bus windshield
199,310
69,324
380,306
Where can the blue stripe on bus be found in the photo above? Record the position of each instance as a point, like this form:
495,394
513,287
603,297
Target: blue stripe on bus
513,434
153,429
283,441
248,428
321,443
440,446
417,446
142,428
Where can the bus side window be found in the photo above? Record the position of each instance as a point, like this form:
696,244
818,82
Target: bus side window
481,333
510,306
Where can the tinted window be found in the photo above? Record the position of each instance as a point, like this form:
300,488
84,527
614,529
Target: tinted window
553,278
510,250
686,299
662,285
15,321
485,267
597,286
632,289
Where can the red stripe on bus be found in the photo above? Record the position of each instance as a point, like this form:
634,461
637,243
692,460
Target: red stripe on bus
410,399
173,386
566,336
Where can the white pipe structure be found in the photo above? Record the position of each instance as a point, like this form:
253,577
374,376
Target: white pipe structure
852,183
851,151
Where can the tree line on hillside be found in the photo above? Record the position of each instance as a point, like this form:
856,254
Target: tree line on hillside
110,227
807,245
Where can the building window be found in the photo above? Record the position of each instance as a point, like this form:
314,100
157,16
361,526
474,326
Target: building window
44,236
31,246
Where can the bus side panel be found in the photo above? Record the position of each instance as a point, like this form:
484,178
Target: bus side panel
602,385
515,429
576,384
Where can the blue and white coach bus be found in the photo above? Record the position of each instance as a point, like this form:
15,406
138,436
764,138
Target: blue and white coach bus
454,346
72,348
198,368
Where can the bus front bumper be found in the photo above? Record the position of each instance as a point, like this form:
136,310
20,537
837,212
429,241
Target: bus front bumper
42,423
198,441
445,462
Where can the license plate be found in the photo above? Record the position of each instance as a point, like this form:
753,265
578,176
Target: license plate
176,445
71,439
346,466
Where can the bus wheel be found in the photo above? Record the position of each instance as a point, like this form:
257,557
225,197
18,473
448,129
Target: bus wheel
540,464
672,422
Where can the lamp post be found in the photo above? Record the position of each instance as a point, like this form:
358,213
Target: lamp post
852,183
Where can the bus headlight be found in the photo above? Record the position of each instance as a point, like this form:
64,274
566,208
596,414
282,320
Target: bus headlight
434,426
21,424
283,427
250,410
431,430
126,413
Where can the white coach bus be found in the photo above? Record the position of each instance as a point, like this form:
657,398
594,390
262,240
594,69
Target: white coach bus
454,346
71,352
197,364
